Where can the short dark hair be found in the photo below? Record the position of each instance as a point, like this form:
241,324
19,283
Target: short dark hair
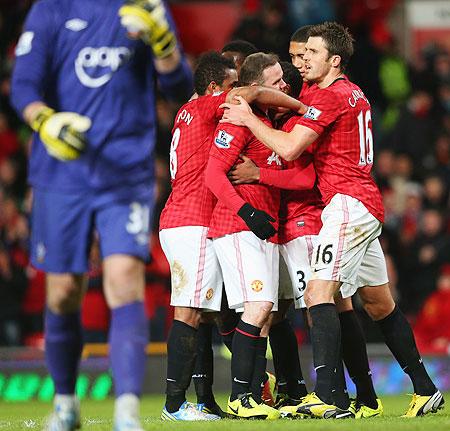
292,77
301,34
241,46
211,67
253,68
337,38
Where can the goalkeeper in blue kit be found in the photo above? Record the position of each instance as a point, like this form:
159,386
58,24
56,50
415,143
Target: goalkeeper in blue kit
84,80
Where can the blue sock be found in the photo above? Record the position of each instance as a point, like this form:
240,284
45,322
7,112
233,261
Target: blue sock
63,346
128,337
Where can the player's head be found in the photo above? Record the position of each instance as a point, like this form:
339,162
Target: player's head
297,47
214,73
262,69
238,50
292,78
328,49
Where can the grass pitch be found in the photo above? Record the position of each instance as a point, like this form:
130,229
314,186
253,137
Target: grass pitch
97,416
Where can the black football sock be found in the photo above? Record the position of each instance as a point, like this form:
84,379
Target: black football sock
340,393
259,371
400,340
229,321
326,342
286,361
245,341
181,357
355,358
204,366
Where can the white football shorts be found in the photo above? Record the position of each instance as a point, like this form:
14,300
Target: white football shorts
249,267
297,255
347,247
194,268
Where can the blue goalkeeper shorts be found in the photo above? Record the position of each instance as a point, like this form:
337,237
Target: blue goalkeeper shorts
63,226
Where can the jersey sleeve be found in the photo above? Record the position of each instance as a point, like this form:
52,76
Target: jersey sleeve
228,142
208,106
33,56
323,110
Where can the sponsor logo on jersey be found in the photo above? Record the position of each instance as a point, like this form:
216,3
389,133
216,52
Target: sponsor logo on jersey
257,285
24,44
76,24
312,113
223,139
274,158
94,67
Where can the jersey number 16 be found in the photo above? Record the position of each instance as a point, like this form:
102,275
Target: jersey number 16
365,138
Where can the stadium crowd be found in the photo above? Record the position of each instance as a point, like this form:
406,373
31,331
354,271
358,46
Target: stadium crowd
411,105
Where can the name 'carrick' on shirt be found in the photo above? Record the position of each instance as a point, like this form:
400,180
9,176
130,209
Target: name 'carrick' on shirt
228,143
191,203
343,153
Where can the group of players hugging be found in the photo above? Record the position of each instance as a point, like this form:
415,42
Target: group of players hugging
266,158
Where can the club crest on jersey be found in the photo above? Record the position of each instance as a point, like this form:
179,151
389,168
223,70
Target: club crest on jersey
223,139
312,113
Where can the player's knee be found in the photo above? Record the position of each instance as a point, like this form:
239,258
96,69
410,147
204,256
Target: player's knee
257,313
190,316
380,310
64,293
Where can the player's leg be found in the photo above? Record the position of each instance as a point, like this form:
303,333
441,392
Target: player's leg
59,246
247,265
123,229
398,335
227,322
203,375
196,285
356,359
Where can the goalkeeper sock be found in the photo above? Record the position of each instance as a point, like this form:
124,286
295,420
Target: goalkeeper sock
355,357
400,340
63,346
181,357
203,371
128,338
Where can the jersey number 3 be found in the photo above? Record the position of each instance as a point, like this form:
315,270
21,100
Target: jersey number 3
173,153
365,138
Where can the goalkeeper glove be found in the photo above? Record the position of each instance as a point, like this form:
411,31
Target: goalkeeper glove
62,133
258,221
147,19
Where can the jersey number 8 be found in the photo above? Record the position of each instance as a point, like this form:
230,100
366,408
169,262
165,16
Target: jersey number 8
173,153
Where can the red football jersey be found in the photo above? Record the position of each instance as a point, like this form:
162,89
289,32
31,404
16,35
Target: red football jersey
191,202
300,210
343,153
228,143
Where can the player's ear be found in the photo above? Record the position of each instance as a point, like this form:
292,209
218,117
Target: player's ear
212,87
336,61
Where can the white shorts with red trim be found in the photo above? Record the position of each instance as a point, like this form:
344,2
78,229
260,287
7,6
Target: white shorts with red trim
297,255
195,271
347,248
249,267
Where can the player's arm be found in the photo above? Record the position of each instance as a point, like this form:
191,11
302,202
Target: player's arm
150,20
288,179
266,96
259,222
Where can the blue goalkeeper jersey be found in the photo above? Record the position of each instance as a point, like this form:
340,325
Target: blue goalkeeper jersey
74,55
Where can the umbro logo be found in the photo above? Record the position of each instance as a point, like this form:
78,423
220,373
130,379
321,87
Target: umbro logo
76,24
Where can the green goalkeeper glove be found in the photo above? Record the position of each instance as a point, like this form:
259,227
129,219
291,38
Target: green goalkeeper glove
62,133
147,19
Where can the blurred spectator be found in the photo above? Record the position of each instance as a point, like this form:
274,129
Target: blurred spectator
432,328
267,29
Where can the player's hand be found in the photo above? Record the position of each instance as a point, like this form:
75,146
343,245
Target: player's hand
62,133
236,113
258,221
147,20
244,173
